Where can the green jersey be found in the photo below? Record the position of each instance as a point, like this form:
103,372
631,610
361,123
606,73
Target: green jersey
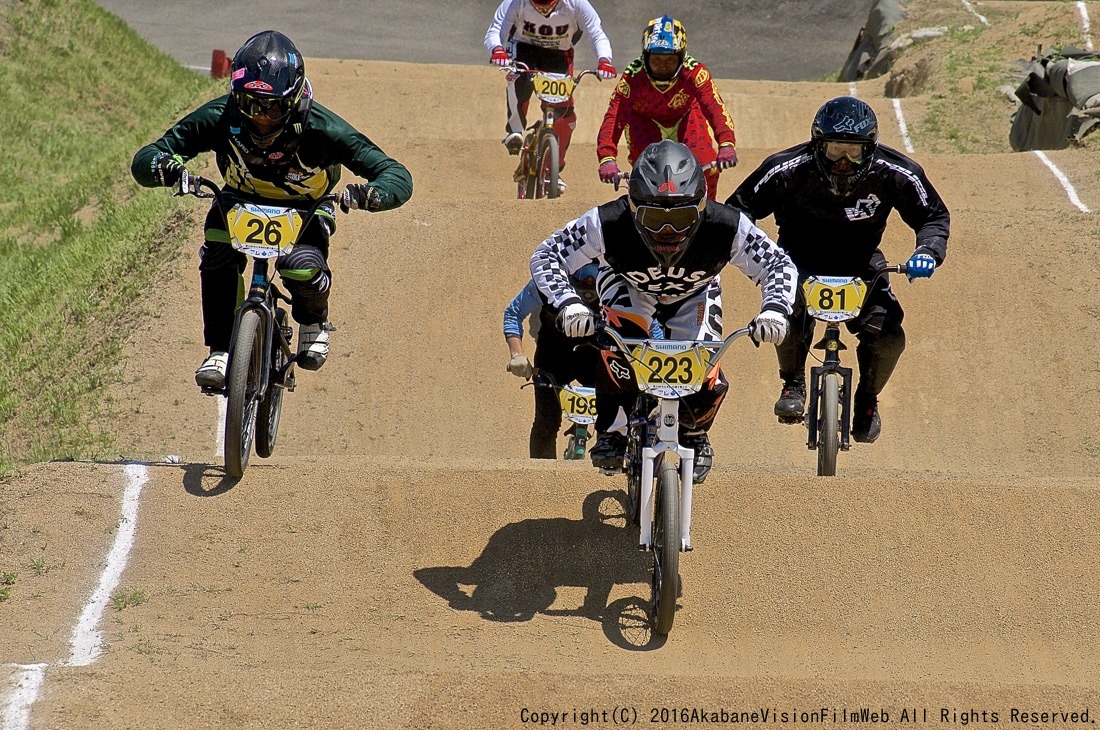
311,170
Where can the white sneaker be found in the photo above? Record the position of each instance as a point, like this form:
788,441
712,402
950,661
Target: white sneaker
312,346
211,374
514,143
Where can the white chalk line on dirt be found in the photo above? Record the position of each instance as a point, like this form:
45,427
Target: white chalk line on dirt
901,126
1061,177
979,16
1085,29
86,643
28,679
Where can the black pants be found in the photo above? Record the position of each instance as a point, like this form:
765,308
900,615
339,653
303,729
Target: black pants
305,275
555,354
878,329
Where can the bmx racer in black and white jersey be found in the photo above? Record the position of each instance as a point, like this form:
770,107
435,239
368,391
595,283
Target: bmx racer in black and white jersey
663,246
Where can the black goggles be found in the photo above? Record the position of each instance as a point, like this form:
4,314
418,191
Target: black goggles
260,106
655,218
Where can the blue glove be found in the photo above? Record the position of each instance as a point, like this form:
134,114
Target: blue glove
920,266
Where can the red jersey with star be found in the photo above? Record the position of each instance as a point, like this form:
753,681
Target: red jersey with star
682,111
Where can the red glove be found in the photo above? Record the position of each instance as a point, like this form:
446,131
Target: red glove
499,57
609,172
727,157
605,70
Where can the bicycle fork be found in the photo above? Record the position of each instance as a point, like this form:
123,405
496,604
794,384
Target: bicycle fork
832,346
668,440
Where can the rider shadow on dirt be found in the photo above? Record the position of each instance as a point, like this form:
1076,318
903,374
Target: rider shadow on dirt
198,480
524,563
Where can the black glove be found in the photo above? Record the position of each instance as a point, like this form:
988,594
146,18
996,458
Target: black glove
360,197
167,170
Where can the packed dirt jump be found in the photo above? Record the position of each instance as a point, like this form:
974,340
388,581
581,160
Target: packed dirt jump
400,563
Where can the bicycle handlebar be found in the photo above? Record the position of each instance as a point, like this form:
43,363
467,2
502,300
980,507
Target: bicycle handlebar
625,176
623,344
199,183
519,67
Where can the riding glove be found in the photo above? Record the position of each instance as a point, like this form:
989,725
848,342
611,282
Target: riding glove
520,366
576,320
609,171
499,57
605,70
768,326
361,197
167,169
727,157
920,266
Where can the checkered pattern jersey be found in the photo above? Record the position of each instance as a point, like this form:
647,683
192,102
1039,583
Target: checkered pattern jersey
607,233
686,111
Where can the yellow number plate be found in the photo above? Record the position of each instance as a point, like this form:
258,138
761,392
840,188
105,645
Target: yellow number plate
553,88
834,298
670,369
578,404
263,231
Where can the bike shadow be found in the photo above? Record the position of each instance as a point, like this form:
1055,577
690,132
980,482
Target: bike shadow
206,480
523,565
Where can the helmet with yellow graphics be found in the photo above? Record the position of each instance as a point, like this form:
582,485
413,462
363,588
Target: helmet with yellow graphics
664,37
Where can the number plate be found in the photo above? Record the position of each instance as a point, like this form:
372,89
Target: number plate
578,404
670,368
834,298
553,88
263,231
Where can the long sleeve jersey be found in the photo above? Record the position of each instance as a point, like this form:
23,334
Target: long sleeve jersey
829,235
327,143
517,21
683,112
607,232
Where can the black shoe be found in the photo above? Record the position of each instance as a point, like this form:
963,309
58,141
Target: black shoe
704,454
792,401
866,424
608,451
514,143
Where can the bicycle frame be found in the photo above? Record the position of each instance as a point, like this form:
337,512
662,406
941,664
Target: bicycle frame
663,412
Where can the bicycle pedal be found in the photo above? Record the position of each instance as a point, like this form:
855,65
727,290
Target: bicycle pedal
610,472
790,420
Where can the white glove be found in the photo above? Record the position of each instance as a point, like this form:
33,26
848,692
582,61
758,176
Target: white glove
520,366
768,326
576,320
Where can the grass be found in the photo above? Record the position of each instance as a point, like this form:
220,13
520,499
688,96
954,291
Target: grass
79,241
128,597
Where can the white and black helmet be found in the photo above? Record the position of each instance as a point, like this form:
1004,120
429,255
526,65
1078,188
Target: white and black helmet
668,193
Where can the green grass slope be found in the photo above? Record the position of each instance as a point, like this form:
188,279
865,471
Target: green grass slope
79,93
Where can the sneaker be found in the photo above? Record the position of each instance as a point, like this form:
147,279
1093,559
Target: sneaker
312,346
608,451
704,454
211,374
513,142
792,400
866,424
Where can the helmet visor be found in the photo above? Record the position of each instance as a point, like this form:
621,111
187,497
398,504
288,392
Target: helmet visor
656,219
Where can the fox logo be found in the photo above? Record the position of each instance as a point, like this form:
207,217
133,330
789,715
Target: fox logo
864,208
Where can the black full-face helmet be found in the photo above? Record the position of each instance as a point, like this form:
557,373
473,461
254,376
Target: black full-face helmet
668,193
845,137
268,85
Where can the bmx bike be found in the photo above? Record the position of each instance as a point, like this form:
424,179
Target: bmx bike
578,407
538,173
659,491
833,300
261,361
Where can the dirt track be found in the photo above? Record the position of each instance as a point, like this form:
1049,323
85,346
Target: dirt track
400,563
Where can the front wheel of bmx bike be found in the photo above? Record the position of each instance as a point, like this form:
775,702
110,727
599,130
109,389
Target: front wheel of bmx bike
666,547
548,180
828,430
245,377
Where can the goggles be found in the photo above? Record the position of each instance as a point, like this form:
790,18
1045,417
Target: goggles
680,219
258,106
837,151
